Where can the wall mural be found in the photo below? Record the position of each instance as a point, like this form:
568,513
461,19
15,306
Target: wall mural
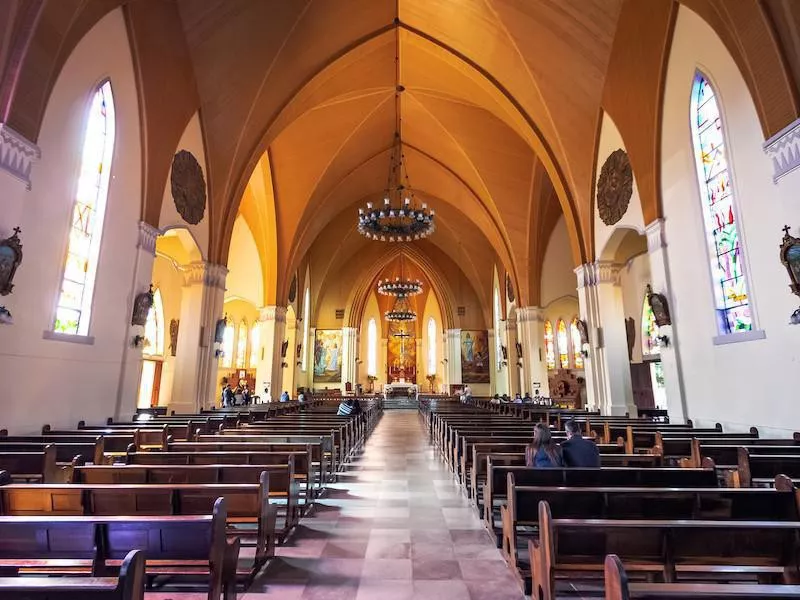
328,356
474,356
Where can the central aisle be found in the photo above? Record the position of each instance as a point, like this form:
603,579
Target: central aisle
394,527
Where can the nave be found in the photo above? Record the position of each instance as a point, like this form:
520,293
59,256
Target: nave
395,526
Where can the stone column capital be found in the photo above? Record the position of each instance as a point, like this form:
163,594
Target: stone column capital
529,314
783,149
147,237
206,273
656,236
602,271
276,314
17,154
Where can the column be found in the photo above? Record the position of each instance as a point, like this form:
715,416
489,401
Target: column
383,365
349,351
453,355
670,355
512,370
421,365
290,360
195,381
607,369
131,365
530,324
269,372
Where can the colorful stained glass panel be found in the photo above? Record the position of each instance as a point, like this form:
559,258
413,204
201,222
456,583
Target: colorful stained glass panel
549,346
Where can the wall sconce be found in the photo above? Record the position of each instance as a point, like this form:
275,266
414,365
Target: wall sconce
662,341
284,364
444,361
218,352
585,350
138,340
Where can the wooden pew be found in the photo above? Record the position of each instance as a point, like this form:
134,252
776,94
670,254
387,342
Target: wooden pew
617,587
140,436
496,487
520,514
128,586
173,545
246,504
91,450
671,550
33,466
761,469
283,486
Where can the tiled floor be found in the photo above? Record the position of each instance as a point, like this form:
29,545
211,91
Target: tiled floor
394,527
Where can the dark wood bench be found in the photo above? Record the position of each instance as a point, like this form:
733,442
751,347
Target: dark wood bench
39,466
173,546
66,452
245,503
761,469
520,514
617,587
128,586
666,550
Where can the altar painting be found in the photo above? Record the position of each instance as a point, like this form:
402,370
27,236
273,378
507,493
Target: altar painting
328,356
474,356
401,353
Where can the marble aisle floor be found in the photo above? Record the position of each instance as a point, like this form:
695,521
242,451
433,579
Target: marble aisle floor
395,526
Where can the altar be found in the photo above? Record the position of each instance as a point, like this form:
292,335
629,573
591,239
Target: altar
400,388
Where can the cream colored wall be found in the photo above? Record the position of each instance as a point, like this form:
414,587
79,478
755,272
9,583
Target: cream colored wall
192,140
236,310
372,311
634,277
169,281
64,381
244,279
431,311
746,383
558,274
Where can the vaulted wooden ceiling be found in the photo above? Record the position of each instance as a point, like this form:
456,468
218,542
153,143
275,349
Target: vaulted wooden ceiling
500,115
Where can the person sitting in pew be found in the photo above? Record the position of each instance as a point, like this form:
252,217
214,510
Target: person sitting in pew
577,450
543,452
285,396
346,407
247,397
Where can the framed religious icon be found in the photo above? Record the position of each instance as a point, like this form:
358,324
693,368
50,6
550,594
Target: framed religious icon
583,331
10,259
790,257
219,330
660,306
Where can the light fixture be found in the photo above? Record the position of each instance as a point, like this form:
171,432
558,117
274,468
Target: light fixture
399,218
400,285
401,311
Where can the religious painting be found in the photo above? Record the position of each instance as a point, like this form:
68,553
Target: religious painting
328,356
474,356
401,354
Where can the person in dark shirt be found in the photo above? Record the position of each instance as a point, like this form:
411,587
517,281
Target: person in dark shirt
577,450
543,452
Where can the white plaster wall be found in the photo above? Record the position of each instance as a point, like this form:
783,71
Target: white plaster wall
65,382
610,140
748,383
191,140
170,282
244,266
634,277
431,311
372,311
558,275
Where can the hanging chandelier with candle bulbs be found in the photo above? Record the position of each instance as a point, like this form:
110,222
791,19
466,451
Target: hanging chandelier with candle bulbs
401,311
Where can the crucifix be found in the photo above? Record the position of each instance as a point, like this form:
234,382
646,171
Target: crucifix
402,335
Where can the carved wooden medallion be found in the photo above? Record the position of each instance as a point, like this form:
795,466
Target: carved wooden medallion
509,288
614,188
188,187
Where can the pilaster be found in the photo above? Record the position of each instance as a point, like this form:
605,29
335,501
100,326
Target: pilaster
17,154
453,356
269,372
530,326
349,351
783,149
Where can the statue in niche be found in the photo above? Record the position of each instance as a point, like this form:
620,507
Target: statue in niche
630,332
174,324
10,259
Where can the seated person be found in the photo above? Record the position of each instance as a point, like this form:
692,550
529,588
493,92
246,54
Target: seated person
527,398
346,407
517,398
495,399
577,450
285,396
543,452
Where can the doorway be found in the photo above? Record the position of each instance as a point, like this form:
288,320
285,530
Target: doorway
150,384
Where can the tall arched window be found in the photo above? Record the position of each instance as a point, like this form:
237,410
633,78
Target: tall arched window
577,344
227,346
372,348
154,328
241,345
719,212
498,335
563,344
306,318
431,346
549,346
649,330
255,345
73,311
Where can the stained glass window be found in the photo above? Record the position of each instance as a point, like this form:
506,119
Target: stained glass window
577,344
563,341
86,224
227,346
431,346
154,328
720,215
306,318
255,345
649,330
372,348
241,346
549,346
